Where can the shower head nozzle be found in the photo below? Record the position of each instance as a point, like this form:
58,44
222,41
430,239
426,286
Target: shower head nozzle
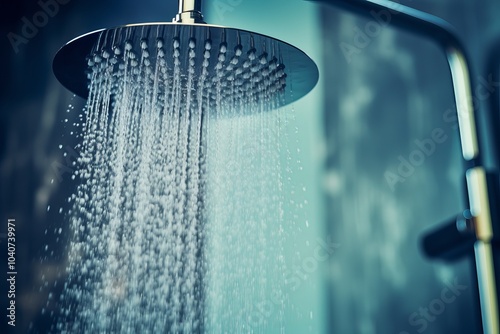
229,64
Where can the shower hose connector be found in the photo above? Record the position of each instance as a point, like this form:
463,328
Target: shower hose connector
189,12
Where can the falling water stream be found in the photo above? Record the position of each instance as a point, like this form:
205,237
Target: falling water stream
182,172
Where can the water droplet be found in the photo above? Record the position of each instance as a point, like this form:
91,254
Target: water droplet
128,45
192,43
208,45
223,48
251,54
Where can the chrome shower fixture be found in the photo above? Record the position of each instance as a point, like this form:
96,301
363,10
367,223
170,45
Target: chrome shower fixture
229,64
189,12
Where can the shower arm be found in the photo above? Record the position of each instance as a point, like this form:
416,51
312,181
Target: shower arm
189,12
493,69
479,190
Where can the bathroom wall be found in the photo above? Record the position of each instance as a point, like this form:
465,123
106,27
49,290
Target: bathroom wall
393,170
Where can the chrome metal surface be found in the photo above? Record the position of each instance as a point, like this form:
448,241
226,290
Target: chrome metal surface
189,12
301,73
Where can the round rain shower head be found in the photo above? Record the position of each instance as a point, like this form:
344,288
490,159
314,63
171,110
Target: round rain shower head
229,63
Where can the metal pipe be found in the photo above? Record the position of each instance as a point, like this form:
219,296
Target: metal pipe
479,193
189,12
493,71
443,33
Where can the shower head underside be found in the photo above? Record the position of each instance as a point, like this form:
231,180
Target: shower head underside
227,63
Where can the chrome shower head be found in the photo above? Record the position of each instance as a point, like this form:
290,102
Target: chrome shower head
228,63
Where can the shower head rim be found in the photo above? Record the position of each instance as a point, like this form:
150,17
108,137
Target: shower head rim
60,69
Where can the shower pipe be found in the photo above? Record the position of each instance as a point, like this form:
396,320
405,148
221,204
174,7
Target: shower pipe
493,69
189,12
476,226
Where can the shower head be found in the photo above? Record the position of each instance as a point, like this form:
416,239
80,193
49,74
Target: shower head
229,63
